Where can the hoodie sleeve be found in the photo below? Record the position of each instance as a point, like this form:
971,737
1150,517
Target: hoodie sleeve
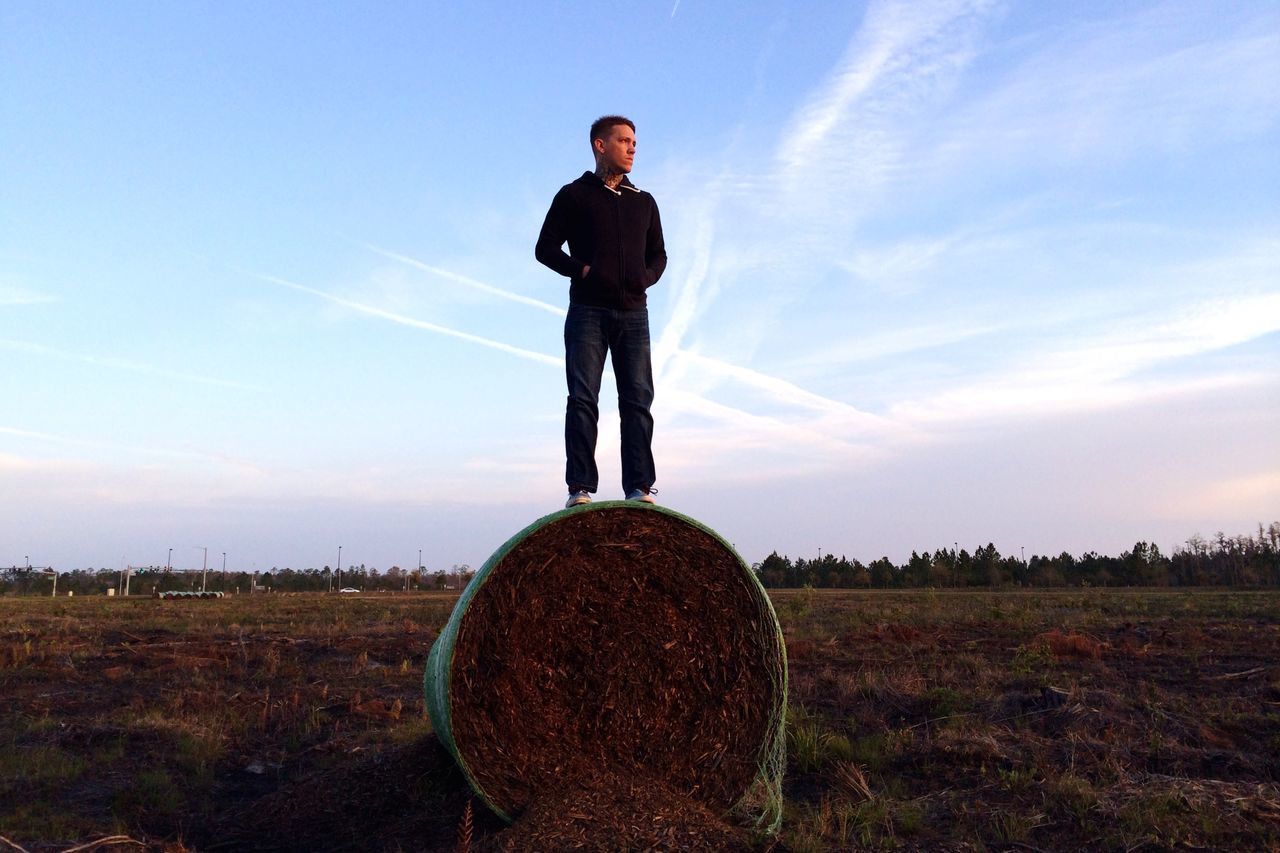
555,231
655,250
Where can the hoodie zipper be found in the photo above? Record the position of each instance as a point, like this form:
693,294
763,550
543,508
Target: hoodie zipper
622,254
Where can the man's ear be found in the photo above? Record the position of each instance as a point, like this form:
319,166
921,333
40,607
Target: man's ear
597,145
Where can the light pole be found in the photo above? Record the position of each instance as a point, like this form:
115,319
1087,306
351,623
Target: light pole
168,564
339,568
224,572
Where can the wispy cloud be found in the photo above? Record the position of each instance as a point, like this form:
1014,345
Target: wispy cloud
1105,370
851,143
902,53
750,431
849,419
117,363
840,416
689,297
52,438
472,283
413,322
861,136
839,137
781,392
901,341
1155,80
14,295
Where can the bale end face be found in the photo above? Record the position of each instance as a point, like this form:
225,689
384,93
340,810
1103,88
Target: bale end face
617,638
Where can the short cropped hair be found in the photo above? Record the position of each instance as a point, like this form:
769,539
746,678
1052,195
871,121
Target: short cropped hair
604,124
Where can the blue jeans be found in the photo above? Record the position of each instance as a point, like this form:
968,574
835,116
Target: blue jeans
590,333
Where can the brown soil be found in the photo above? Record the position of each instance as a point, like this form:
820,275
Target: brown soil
651,660
919,720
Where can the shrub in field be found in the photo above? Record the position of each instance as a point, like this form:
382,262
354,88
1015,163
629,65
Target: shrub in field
1072,644
1032,658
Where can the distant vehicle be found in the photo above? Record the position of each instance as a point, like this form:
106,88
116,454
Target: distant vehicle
348,589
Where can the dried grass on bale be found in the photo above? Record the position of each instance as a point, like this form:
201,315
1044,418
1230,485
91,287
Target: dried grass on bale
606,812
616,642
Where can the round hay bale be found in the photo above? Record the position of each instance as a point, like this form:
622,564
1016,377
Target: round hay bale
616,638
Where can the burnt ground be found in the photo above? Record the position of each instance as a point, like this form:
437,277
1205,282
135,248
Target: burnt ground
919,720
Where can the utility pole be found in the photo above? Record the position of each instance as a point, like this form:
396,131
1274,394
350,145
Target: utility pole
224,572
204,569
168,564
339,568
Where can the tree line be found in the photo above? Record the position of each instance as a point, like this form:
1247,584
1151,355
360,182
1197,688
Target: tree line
150,579
1246,560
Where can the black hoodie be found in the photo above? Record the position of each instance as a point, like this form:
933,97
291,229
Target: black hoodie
615,232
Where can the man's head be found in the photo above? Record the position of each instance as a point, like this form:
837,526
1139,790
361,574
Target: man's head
613,141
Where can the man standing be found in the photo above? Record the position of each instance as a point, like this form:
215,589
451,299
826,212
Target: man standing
615,254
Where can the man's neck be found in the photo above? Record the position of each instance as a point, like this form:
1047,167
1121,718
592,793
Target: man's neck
610,177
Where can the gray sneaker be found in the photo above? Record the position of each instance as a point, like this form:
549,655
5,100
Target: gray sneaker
643,495
578,498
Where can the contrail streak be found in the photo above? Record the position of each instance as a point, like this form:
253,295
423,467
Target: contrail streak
81,442
412,322
668,344
752,431
469,282
122,364
788,392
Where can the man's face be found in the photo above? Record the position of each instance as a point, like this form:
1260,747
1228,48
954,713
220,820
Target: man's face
617,151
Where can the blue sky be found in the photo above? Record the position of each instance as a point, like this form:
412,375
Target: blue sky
939,272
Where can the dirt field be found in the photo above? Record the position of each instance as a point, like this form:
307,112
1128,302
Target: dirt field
919,720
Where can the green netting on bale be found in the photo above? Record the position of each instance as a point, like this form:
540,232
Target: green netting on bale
616,637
